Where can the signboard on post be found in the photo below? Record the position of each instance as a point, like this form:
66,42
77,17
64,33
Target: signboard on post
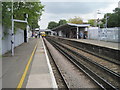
15,20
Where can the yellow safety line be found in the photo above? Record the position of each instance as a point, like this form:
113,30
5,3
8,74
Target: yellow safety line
26,69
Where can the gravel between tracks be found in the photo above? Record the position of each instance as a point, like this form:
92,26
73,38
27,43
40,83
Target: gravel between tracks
107,64
57,75
74,77
115,82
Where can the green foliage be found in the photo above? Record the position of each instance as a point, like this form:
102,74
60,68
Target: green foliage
114,18
117,10
33,9
62,22
6,14
76,20
92,22
101,23
52,25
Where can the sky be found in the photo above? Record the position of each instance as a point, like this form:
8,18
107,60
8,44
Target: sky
66,9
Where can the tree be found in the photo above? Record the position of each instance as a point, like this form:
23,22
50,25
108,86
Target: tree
117,10
113,18
92,22
6,13
76,20
33,9
62,22
52,25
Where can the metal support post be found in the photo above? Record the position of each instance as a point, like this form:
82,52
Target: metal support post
77,33
27,27
12,34
27,32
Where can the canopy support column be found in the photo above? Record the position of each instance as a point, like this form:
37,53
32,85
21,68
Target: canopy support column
77,33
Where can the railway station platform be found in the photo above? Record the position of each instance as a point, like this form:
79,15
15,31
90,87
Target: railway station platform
28,68
41,75
13,66
111,45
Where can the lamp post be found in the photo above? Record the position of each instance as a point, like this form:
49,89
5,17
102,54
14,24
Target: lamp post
12,33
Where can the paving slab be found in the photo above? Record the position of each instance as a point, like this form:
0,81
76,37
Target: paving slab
40,75
13,66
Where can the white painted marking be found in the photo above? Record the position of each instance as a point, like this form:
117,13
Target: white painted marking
50,68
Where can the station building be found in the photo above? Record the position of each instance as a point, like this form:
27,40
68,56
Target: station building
70,30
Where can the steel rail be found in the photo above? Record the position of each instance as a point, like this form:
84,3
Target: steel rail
92,53
117,76
59,71
93,62
96,78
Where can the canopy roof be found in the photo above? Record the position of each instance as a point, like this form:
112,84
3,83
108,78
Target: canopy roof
43,30
69,26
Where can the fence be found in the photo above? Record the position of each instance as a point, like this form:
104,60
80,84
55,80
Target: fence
105,34
6,40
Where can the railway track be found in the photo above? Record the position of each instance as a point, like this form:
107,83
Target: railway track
76,45
59,71
108,79
113,65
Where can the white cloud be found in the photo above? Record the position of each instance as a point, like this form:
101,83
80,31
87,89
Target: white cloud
108,9
53,16
79,0
74,7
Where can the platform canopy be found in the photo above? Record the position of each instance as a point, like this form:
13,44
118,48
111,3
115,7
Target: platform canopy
43,30
70,30
70,26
